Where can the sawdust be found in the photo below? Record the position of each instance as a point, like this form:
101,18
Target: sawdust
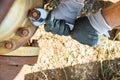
62,51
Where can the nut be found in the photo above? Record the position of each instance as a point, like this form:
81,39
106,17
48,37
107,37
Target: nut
34,14
9,44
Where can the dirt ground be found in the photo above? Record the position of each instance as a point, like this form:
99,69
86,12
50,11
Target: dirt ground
62,58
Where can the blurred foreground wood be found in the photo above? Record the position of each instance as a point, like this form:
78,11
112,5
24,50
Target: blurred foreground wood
89,71
12,67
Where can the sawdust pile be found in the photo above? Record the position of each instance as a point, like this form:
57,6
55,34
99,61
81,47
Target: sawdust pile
59,52
56,49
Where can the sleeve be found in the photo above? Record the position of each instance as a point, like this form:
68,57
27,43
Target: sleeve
68,10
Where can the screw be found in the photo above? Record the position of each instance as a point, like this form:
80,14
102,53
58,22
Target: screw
35,14
9,44
23,32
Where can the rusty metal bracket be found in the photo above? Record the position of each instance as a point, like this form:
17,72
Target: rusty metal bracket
16,28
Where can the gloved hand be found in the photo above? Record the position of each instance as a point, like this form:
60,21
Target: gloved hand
87,30
84,32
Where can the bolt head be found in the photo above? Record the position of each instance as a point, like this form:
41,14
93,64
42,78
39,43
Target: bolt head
34,14
23,32
9,45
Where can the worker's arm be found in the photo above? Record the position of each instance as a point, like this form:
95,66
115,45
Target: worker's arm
112,14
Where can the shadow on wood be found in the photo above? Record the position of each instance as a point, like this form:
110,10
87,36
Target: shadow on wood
105,70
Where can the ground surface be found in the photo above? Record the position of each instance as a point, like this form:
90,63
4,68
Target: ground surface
62,58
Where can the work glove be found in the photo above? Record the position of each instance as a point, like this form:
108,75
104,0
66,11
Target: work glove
84,33
90,29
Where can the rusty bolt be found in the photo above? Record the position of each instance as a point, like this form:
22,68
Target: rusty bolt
9,44
23,32
34,14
